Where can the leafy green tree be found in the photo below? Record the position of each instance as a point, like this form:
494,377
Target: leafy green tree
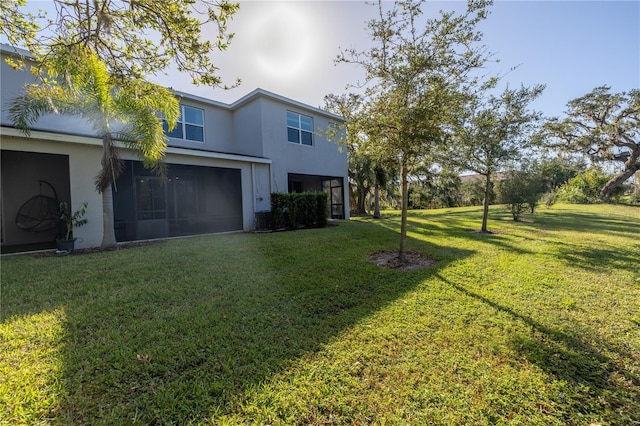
585,188
364,172
519,189
128,114
604,126
435,189
416,72
556,171
472,191
361,175
382,177
135,39
493,133
513,192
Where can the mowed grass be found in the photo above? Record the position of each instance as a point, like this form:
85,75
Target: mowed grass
536,324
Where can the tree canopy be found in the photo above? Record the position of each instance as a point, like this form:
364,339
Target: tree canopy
604,126
417,72
136,39
494,131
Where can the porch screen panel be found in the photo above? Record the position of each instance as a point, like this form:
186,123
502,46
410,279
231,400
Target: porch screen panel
204,200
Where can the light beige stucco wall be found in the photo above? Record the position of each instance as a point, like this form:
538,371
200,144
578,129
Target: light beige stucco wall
84,162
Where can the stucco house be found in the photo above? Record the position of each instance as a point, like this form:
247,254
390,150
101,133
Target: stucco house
224,161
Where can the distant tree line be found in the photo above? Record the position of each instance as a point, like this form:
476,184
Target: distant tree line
562,179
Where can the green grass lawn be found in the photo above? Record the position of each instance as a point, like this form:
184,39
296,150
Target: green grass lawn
536,324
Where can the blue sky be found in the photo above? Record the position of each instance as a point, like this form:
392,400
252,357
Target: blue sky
571,46
288,47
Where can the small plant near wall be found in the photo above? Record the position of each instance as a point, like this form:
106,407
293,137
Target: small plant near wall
70,221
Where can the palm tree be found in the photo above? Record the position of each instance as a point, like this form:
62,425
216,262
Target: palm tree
126,114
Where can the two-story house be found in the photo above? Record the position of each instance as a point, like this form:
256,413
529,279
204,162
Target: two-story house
224,161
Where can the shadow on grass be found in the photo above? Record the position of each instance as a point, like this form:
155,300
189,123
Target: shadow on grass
573,356
599,259
596,223
593,257
448,225
178,332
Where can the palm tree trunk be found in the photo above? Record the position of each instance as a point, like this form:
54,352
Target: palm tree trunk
485,203
402,253
108,234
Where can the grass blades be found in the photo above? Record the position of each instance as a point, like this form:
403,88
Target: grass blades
537,324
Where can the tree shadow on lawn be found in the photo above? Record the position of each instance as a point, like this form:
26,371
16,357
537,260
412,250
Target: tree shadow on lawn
464,222
179,333
596,223
600,384
593,257
449,228
598,259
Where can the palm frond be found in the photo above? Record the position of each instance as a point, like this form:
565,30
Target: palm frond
38,101
139,105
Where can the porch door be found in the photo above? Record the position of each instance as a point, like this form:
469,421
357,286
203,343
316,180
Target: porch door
151,208
334,188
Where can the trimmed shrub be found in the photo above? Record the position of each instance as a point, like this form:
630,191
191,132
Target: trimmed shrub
320,211
292,211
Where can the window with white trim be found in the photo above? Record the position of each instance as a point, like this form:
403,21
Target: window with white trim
190,125
299,128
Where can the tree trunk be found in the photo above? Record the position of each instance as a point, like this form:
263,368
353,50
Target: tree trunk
108,234
485,203
362,197
376,201
402,253
618,180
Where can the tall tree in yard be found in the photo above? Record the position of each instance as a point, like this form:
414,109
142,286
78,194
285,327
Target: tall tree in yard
127,114
604,126
417,72
494,132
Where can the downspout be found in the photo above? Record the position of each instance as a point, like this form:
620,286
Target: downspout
253,188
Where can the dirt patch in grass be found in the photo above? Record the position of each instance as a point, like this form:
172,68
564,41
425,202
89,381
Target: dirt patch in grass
414,260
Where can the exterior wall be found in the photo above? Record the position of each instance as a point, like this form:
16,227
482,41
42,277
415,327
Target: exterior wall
247,130
84,162
323,158
262,187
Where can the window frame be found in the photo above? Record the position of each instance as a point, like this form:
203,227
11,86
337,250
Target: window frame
299,130
182,124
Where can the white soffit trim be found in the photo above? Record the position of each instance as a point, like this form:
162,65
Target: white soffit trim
216,155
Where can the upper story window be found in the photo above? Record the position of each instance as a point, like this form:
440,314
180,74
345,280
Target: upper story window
299,128
190,125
